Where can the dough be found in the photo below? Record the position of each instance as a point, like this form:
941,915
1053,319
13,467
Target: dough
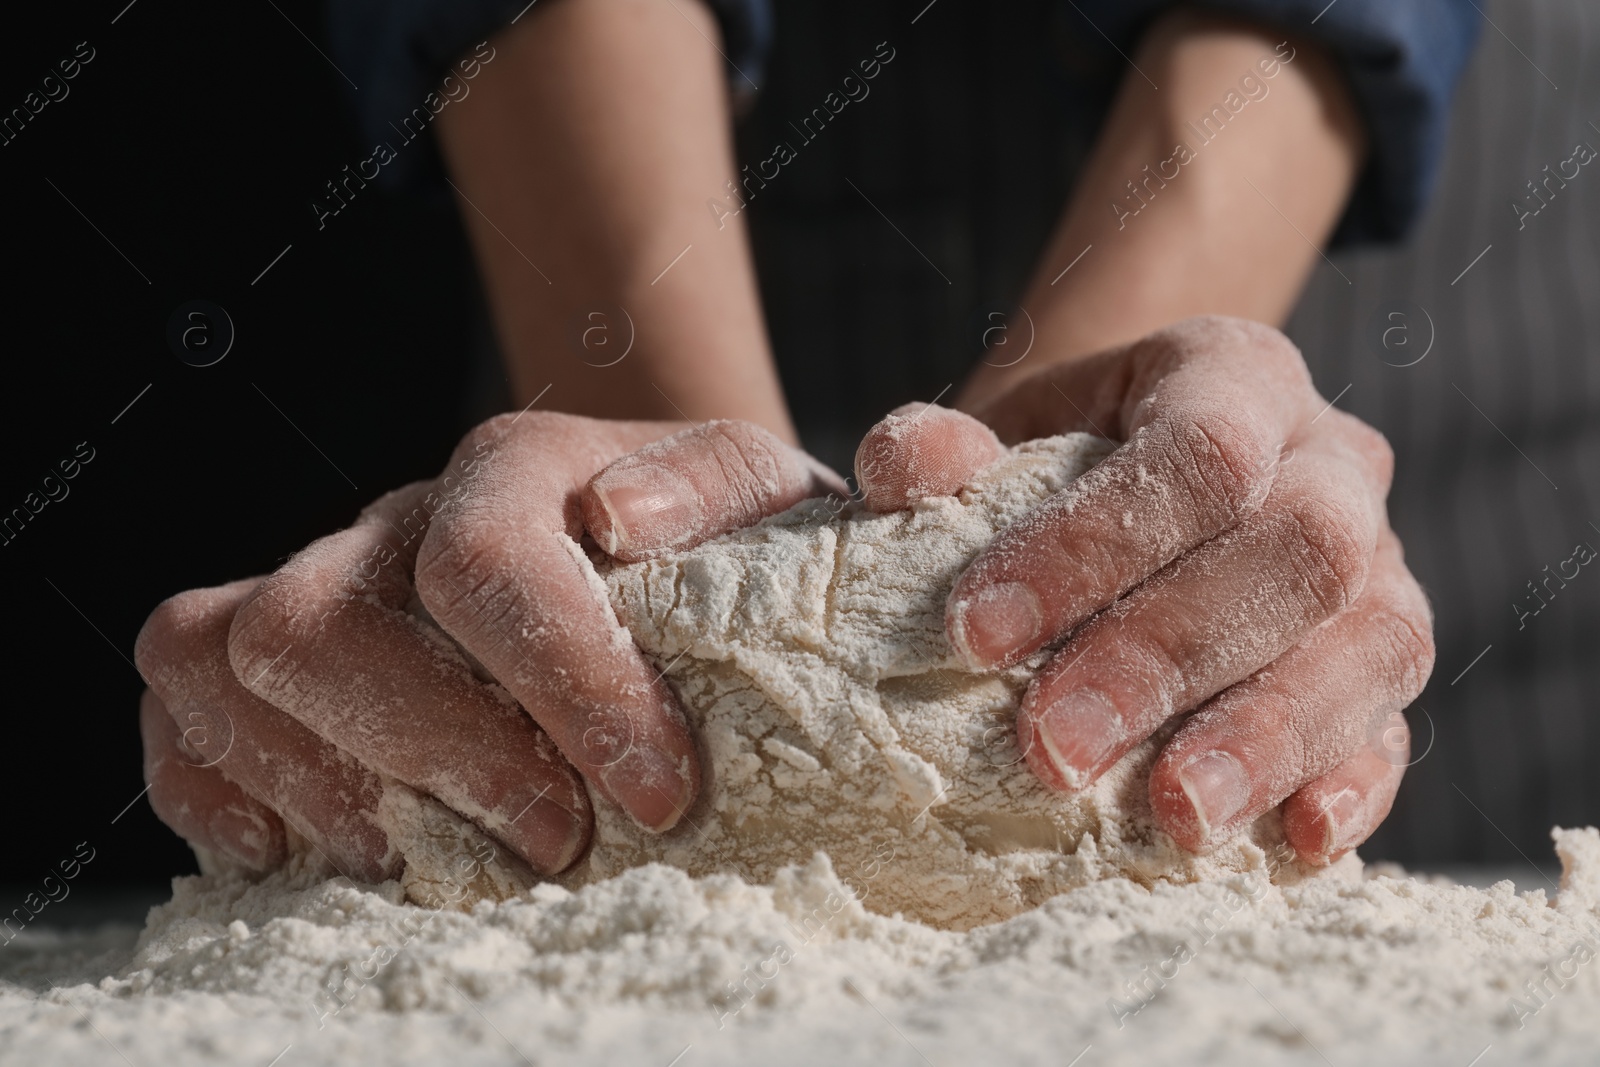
809,653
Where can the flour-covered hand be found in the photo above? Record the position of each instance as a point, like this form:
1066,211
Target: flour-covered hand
453,639
1231,558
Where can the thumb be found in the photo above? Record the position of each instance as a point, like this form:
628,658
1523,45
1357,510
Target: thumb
921,450
696,485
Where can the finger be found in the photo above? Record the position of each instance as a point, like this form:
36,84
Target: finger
318,791
1341,809
328,640
1205,408
502,572
198,803
1229,608
1256,743
921,450
698,484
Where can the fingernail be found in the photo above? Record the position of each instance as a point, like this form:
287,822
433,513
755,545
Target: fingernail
1079,734
1217,787
653,787
555,835
1341,822
1001,621
649,508
242,837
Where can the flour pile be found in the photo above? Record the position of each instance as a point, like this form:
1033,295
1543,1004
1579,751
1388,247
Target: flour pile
641,967
871,875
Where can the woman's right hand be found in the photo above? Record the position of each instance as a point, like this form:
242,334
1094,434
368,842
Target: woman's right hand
287,702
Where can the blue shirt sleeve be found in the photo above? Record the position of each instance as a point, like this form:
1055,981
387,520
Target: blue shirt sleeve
1402,59
397,52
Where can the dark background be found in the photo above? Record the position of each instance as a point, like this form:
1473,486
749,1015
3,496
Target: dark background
195,140
197,137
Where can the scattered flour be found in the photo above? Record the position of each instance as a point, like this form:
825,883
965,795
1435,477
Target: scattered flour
871,876
640,967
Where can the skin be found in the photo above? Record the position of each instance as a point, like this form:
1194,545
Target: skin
618,112
489,554
1206,242
292,778
1232,557
199,803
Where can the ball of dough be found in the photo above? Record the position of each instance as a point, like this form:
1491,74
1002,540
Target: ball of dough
810,656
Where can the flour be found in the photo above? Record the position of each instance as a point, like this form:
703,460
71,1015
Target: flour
637,968
871,876
810,654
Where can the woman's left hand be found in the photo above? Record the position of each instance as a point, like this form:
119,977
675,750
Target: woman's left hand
1232,558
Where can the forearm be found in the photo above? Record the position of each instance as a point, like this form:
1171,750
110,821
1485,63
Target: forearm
585,160
1228,223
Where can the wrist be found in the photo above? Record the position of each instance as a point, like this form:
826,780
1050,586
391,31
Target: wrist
1212,195
584,162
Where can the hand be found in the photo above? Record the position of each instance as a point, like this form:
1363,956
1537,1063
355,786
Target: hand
288,702
1232,558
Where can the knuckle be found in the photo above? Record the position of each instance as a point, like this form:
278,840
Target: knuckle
1405,646
1368,444
1270,731
750,459
1261,347
297,602
164,645
1273,344
152,648
752,445
486,433
1376,445
275,631
1223,465
458,556
408,498
485,437
287,607
1147,657
1231,338
1328,549
1382,453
